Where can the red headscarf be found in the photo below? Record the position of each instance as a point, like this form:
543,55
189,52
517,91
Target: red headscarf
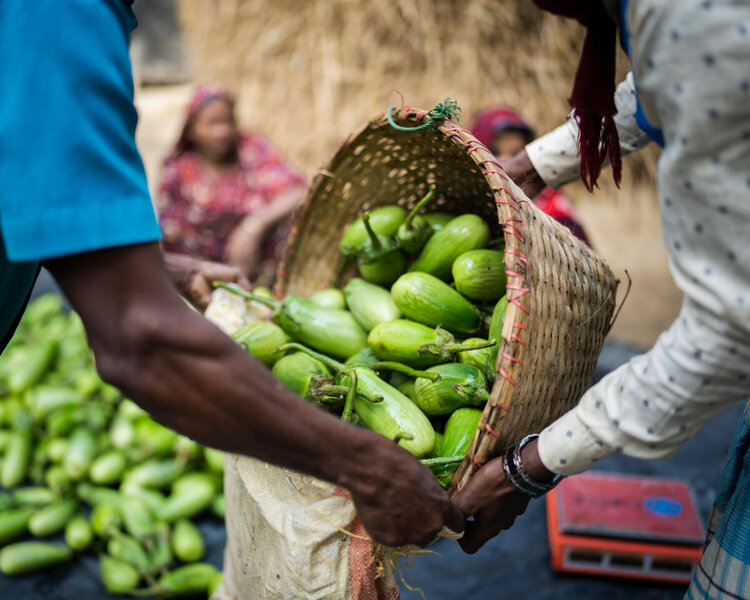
594,87
202,96
490,122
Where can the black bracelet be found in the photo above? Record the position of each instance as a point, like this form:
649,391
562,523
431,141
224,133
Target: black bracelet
518,477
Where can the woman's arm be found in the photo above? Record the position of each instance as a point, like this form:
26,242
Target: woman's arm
243,248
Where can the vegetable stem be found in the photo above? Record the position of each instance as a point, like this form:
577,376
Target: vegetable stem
406,370
413,212
346,416
441,460
401,435
373,236
247,295
326,360
449,350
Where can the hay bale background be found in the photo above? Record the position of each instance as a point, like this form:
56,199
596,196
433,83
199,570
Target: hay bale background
309,73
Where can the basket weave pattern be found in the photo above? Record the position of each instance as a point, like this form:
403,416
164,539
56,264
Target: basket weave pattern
561,294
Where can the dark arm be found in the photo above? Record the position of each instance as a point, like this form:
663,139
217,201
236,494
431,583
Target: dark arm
520,169
194,379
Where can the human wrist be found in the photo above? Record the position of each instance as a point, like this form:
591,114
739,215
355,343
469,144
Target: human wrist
523,173
362,466
516,472
253,224
533,465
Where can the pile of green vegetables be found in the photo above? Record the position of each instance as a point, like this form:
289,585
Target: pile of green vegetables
409,348
89,469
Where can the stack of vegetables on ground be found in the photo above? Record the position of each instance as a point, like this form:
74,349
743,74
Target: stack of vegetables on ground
407,349
89,470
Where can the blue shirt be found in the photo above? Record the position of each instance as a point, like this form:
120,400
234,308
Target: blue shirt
72,178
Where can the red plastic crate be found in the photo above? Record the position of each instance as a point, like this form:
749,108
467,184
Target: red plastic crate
624,526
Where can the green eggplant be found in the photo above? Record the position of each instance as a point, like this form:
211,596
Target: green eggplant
413,233
414,344
78,534
304,375
17,459
496,328
262,339
481,358
438,220
370,304
459,385
330,297
439,437
37,361
29,557
467,232
480,275
459,432
118,576
384,220
14,523
407,389
45,399
35,496
188,580
393,415
424,298
379,258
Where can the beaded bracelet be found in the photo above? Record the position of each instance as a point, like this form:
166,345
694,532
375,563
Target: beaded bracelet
518,477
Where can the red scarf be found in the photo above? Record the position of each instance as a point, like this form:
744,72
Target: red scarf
593,97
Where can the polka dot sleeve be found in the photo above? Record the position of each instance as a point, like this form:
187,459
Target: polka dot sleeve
648,407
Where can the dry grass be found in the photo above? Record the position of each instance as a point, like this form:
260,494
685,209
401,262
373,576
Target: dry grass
309,72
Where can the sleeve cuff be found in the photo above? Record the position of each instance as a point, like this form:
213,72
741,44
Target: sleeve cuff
555,155
567,447
66,230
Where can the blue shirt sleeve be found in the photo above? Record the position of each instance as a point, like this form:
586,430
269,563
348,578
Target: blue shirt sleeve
72,178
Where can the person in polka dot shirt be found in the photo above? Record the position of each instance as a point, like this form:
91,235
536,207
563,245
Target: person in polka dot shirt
689,90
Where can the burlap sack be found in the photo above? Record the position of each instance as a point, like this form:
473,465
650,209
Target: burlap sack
291,536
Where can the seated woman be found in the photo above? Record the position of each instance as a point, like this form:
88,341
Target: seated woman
505,133
226,196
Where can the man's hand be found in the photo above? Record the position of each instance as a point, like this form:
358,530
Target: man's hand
493,501
520,169
398,499
194,277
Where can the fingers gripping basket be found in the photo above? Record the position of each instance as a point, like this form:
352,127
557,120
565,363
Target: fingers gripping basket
561,295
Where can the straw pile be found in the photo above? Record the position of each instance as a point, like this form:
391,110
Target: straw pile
309,73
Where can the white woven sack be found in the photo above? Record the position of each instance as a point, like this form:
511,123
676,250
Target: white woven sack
291,536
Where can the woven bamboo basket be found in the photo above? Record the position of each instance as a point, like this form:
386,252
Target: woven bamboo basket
561,293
